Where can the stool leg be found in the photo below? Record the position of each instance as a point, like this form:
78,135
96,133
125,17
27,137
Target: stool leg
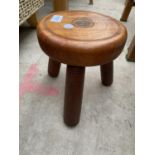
107,74
90,2
131,51
53,67
73,94
126,10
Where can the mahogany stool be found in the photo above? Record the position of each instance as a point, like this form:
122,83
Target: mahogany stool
80,39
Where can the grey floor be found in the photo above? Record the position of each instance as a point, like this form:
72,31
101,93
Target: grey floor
107,118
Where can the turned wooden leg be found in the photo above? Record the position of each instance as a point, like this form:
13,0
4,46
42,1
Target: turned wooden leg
60,5
107,74
73,94
127,9
131,51
53,67
90,2
33,21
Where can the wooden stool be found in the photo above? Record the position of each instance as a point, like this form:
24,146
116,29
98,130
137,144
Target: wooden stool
80,39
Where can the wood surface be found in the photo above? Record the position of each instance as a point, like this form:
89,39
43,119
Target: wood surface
128,6
91,2
131,51
107,73
60,5
73,94
33,21
53,67
93,36
92,39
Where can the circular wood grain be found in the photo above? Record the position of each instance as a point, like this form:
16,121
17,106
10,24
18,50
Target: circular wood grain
93,26
81,38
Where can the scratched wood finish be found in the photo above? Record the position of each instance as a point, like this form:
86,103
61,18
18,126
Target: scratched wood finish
93,36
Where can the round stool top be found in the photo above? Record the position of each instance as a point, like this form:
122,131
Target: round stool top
81,38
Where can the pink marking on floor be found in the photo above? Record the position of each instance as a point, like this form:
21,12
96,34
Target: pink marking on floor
29,86
32,72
